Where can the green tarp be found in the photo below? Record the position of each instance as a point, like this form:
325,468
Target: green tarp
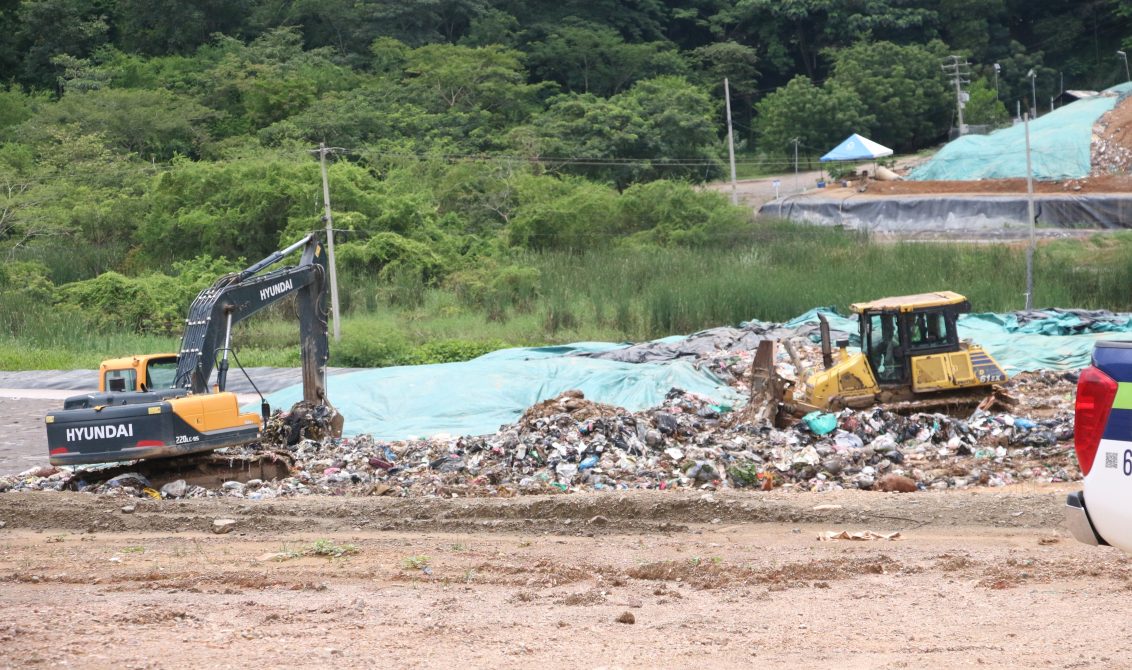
478,396
1060,144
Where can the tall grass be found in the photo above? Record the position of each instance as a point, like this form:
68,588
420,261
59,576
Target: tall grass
781,271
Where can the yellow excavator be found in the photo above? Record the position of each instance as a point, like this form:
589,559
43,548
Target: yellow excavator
162,405
910,352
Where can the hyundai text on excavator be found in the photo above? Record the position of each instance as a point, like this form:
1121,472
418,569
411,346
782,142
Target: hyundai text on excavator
161,405
910,353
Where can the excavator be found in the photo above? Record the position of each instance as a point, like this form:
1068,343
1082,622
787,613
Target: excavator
910,356
161,405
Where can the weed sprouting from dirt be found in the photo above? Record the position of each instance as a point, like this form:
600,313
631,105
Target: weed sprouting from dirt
415,562
331,550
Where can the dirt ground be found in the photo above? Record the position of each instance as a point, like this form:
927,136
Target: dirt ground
979,577
983,579
1103,184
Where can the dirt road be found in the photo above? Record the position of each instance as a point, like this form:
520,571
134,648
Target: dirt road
984,578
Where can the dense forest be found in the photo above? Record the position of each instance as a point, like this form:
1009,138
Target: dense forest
146,147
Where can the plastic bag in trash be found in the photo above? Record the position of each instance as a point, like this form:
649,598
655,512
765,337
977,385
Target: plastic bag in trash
820,423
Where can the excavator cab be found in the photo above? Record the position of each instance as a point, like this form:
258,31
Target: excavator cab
146,372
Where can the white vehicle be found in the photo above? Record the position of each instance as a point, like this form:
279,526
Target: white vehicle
1102,436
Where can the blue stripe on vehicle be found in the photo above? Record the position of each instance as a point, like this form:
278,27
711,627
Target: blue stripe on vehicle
1119,426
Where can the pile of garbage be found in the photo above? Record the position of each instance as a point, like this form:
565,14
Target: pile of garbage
571,444
1111,152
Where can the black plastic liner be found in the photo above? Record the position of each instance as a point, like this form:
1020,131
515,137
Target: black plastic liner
972,214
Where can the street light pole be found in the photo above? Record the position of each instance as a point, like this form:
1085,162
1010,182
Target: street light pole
1033,93
1127,76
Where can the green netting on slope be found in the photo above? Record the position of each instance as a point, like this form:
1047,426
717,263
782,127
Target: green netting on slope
1059,146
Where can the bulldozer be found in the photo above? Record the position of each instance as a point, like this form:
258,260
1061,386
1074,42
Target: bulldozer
164,405
910,356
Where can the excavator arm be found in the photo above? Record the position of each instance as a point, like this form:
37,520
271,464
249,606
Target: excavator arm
236,297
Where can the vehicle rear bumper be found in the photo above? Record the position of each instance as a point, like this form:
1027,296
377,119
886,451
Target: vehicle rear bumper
1078,521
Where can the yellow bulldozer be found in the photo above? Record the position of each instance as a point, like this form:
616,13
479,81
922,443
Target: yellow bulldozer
910,355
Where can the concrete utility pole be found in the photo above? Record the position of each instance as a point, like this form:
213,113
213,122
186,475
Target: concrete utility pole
1030,212
797,184
730,142
959,72
322,151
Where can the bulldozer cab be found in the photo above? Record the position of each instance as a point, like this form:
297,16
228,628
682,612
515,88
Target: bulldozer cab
895,330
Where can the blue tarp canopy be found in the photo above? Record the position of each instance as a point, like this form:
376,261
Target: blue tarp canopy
856,148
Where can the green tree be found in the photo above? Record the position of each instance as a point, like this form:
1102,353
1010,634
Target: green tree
150,123
587,58
447,77
794,33
819,117
163,27
661,127
902,86
983,106
679,137
70,202
48,28
569,214
15,108
736,62
268,80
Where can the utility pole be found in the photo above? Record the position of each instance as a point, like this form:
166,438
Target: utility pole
997,67
730,142
797,184
322,151
959,72
1030,213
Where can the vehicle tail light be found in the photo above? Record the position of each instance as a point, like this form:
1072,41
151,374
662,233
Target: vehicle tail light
1095,393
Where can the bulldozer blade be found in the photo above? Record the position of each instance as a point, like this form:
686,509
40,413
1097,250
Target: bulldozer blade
766,386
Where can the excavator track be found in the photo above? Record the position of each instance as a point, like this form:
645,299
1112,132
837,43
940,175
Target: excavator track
209,470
